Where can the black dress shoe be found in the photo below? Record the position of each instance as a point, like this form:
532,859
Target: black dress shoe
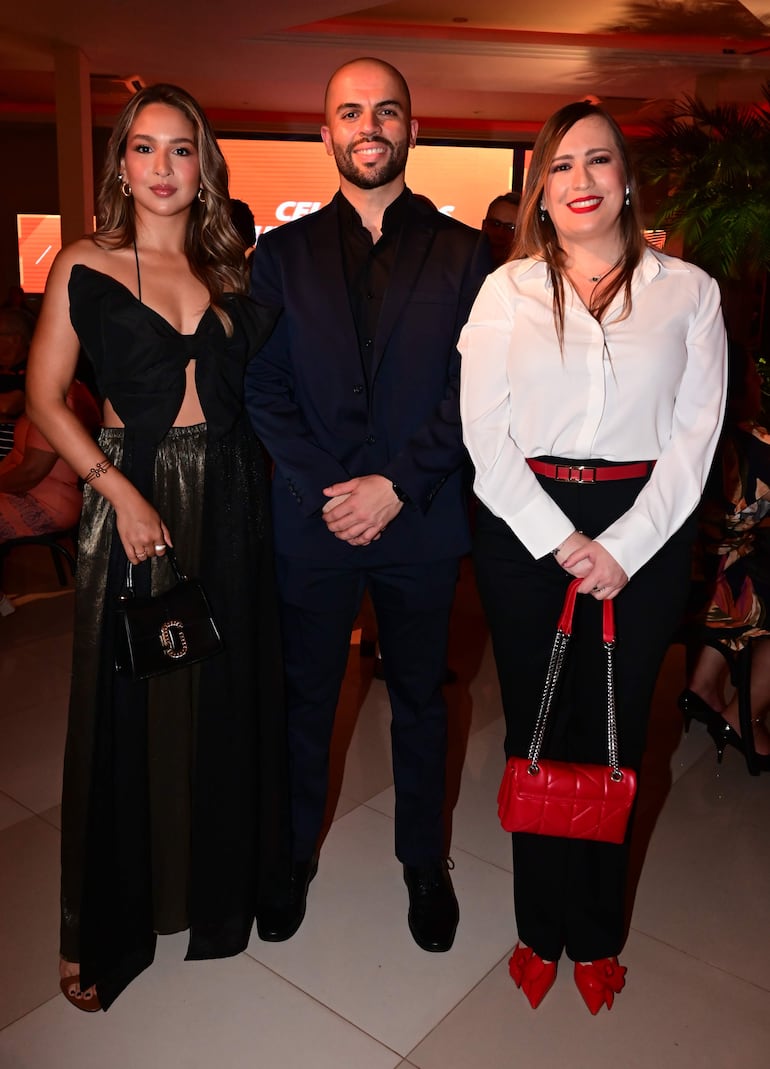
433,909
276,923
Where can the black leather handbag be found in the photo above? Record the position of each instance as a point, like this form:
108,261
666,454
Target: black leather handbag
160,633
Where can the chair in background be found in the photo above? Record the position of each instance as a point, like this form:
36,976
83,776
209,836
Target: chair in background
62,544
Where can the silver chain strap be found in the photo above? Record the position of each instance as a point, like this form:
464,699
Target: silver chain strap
549,690
612,724
553,674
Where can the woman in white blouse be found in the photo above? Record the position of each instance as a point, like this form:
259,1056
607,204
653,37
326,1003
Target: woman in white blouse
591,396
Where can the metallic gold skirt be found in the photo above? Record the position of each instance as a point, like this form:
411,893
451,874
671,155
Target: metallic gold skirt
172,699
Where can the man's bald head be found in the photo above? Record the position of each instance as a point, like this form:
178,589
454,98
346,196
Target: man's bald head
369,61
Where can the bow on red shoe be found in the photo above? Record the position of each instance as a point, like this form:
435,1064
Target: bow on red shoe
534,976
599,981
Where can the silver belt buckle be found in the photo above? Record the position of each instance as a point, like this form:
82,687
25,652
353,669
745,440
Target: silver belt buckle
575,473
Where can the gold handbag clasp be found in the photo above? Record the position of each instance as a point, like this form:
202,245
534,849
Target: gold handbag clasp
173,640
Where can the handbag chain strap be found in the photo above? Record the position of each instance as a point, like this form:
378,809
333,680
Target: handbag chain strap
612,724
555,665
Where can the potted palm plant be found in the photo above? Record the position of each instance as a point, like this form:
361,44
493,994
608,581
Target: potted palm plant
713,162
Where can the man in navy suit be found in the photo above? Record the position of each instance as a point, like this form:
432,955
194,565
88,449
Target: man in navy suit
356,398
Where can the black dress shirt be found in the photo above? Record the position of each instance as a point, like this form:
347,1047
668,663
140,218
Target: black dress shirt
368,265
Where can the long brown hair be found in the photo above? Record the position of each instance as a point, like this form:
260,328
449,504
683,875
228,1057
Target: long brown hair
537,237
212,245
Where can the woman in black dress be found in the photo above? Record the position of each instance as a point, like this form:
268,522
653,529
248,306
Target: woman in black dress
175,803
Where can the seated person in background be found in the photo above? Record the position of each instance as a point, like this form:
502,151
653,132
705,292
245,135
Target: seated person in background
39,493
15,336
17,299
499,224
732,565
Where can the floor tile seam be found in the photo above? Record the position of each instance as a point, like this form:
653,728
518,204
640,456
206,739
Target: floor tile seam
31,812
364,801
27,1013
700,960
319,1002
483,860
50,823
456,1006
373,808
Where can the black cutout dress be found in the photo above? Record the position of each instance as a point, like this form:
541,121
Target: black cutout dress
175,809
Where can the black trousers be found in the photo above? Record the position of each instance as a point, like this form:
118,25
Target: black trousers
412,603
569,893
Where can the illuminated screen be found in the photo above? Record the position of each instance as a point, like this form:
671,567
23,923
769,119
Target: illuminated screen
283,180
39,241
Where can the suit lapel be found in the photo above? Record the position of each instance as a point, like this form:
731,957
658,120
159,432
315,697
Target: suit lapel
414,244
329,274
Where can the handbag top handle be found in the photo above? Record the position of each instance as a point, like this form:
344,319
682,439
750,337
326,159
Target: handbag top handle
568,612
563,635
128,582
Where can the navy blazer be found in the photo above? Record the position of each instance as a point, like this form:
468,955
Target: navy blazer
320,418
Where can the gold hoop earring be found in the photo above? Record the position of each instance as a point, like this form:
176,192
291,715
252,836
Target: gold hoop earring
202,195
125,188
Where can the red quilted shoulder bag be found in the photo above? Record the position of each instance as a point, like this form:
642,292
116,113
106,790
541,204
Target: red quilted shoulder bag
576,801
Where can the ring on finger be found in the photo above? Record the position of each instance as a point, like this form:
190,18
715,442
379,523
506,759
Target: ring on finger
159,547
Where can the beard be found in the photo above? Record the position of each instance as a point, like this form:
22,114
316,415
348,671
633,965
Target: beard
376,175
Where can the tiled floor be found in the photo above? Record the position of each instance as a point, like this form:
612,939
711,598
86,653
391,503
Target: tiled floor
351,990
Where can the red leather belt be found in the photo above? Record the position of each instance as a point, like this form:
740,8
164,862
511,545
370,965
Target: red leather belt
583,473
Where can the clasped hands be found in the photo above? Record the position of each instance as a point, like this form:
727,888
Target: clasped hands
359,510
585,559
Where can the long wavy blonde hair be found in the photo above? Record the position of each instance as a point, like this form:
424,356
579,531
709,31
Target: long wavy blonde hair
212,246
537,237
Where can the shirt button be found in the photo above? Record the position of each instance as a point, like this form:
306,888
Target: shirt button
358,388
370,296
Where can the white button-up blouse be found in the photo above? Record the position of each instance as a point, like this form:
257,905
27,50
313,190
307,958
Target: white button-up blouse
647,387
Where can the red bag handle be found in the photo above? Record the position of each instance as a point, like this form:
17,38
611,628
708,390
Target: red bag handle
563,635
568,612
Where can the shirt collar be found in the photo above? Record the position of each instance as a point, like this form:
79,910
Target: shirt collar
393,218
651,264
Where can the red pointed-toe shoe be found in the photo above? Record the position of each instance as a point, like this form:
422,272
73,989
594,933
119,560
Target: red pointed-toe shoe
599,981
534,976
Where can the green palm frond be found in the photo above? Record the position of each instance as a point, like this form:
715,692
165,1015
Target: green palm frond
714,162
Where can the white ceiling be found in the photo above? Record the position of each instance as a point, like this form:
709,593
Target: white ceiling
478,68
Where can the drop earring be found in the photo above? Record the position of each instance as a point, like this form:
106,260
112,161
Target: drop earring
543,212
627,200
